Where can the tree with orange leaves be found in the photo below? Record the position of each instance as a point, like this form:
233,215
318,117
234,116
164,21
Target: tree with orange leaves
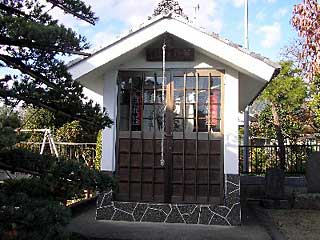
306,20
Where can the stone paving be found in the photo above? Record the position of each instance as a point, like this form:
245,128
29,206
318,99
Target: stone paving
228,214
85,224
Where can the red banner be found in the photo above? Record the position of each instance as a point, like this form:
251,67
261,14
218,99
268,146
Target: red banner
214,107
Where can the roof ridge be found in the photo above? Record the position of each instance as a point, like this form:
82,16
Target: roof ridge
173,14
231,43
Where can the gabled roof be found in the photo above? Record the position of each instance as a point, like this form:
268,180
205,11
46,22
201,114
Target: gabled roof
231,54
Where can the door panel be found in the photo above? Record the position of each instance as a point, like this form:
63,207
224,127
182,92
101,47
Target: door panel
196,168
191,135
140,175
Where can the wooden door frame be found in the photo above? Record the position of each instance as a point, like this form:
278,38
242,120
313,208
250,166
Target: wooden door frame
211,136
169,130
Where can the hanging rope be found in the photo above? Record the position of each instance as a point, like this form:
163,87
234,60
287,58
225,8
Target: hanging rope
162,162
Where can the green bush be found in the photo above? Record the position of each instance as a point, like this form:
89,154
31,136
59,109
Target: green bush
34,207
26,217
97,162
37,118
70,132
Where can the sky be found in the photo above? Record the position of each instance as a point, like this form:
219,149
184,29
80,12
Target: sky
269,21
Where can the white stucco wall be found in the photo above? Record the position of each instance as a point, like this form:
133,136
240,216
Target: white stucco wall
231,130
230,117
95,97
230,121
215,48
110,93
249,88
244,71
201,61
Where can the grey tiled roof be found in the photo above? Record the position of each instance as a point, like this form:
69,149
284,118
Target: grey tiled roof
180,18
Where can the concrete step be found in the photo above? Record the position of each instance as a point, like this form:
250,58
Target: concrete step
86,225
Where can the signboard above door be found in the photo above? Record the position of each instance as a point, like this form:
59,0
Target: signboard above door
172,54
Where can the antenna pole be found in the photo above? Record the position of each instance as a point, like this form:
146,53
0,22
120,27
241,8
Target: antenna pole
246,122
196,11
246,24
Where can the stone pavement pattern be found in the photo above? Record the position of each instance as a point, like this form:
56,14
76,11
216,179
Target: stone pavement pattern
86,224
228,213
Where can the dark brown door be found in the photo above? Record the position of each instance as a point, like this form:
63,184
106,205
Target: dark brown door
187,137
140,174
197,137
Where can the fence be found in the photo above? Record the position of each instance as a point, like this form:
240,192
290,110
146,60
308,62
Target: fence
79,151
267,156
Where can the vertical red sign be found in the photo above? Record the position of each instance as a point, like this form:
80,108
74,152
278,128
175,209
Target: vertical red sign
214,107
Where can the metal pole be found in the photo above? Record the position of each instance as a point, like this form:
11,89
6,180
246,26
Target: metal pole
246,112
43,142
246,140
52,144
246,24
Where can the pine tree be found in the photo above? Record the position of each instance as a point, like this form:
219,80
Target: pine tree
33,43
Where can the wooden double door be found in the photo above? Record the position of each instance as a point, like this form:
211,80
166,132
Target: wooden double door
169,146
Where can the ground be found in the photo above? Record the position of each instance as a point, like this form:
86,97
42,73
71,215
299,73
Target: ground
296,224
86,224
258,224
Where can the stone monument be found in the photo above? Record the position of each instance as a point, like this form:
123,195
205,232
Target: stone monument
313,173
311,199
274,184
274,190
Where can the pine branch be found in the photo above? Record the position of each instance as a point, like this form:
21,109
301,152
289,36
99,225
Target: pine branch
30,44
27,70
36,102
14,62
12,10
22,160
7,167
70,10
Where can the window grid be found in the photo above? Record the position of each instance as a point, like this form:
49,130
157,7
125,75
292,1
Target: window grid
145,96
